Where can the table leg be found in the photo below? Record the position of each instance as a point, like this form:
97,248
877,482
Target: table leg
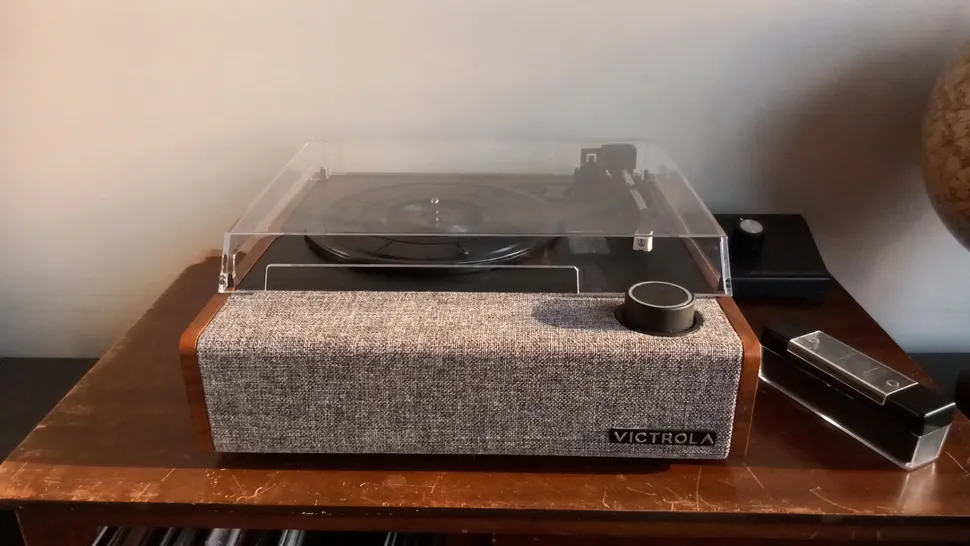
40,527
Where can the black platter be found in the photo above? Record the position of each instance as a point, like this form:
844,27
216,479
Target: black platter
436,223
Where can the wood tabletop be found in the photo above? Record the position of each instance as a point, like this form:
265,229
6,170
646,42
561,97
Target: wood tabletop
123,436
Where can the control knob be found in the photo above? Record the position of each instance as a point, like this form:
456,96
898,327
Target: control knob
658,308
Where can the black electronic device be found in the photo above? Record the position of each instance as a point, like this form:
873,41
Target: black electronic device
774,256
894,415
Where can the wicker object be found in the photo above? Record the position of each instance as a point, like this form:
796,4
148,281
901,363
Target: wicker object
946,147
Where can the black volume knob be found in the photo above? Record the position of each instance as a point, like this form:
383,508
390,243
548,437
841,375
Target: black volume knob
747,238
659,308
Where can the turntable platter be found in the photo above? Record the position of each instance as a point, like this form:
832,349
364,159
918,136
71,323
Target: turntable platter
434,223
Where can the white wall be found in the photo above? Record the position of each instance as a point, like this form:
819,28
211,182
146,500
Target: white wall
132,133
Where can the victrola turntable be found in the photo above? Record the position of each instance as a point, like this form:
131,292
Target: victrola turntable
508,298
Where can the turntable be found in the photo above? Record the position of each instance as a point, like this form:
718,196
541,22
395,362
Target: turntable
507,298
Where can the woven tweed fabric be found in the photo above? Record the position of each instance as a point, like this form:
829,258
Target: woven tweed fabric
946,147
459,373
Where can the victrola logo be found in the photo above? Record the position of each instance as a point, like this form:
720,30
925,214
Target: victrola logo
662,437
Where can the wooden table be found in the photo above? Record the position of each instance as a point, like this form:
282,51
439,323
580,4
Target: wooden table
118,450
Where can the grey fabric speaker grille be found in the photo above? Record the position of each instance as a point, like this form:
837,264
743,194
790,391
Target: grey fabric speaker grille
459,373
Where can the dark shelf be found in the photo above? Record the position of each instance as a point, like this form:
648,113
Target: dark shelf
29,388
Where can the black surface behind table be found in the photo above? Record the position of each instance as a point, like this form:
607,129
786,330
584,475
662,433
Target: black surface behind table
29,388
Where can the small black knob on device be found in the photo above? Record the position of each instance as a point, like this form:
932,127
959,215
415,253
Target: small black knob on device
747,238
659,308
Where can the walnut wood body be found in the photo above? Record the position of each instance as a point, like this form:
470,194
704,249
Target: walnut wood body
118,449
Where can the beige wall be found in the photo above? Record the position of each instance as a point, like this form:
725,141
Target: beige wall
132,133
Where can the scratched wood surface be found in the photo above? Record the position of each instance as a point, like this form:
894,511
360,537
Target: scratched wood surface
123,436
